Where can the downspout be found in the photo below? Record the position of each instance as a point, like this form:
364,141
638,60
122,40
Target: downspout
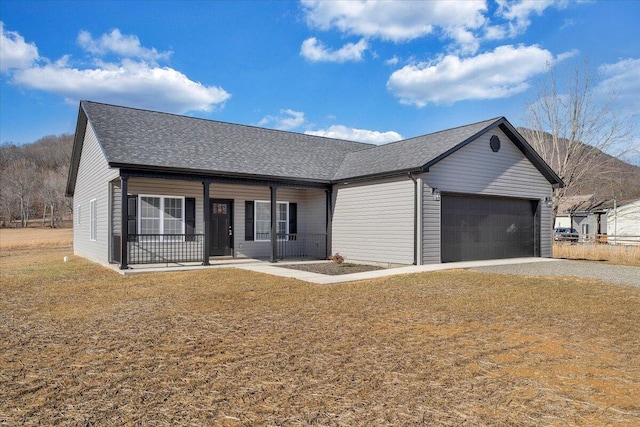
415,218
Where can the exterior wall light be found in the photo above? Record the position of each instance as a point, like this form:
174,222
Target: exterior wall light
435,193
548,201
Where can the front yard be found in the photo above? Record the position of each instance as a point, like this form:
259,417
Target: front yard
81,345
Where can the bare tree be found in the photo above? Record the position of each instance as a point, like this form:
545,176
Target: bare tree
23,180
572,122
53,195
33,179
7,203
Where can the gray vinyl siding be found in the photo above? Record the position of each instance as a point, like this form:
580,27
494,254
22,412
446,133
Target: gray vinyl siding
430,228
311,206
591,221
116,219
374,221
92,182
311,213
116,208
476,169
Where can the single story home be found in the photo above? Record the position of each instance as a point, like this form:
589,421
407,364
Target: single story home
586,213
151,187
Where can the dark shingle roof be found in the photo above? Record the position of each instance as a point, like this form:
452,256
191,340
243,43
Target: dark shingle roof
409,154
133,138
146,138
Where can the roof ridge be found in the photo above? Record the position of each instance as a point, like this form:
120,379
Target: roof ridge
492,120
182,116
388,144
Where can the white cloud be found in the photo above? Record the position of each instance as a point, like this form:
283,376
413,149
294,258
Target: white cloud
518,12
498,74
132,82
395,21
287,120
466,23
399,21
14,51
315,51
127,46
621,79
360,135
566,55
392,61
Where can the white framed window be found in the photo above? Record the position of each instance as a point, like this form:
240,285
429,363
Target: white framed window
262,220
93,219
161,215
79,215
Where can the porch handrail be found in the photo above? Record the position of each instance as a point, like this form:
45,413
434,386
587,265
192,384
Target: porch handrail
164,248
302,246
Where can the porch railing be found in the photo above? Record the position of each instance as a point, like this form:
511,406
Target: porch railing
176,248
302,246
165,248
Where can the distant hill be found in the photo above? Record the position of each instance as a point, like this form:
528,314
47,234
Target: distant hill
608,178
49,152
45,163
33,181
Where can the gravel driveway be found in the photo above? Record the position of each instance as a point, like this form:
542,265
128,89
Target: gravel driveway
617,274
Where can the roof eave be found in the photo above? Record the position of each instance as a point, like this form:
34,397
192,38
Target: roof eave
213,173
78,141
531,154
387,174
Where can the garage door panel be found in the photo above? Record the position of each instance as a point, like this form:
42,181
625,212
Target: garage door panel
476,228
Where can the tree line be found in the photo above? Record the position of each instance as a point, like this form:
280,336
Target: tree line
33,181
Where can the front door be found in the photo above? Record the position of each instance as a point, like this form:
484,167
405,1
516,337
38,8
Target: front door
221,211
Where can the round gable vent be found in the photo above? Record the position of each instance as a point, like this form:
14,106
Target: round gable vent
494,142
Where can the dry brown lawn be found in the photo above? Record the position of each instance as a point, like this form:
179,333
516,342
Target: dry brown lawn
81,345
14,238
612,254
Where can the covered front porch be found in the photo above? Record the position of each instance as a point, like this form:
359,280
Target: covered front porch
173,219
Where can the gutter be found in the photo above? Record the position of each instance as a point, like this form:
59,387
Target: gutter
379,175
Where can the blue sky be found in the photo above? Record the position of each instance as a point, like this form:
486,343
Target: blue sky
369,71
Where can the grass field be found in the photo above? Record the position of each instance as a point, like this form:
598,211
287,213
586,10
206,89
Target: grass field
15,238
82,345
613,254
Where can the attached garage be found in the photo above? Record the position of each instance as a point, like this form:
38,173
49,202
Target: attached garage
477,228
493,201
475,192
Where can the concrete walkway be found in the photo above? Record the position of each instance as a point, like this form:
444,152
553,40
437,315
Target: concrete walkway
276,270
522,266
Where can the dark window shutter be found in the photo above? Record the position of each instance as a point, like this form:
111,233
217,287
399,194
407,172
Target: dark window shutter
132,217
248,220
293,218
190,218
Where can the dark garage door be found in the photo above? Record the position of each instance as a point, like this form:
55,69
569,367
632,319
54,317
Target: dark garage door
476,228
